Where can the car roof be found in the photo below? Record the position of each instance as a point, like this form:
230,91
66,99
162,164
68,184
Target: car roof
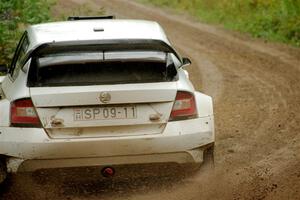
96,29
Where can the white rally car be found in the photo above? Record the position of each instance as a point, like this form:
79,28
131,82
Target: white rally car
100,92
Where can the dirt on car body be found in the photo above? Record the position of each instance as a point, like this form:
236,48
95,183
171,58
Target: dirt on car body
257,93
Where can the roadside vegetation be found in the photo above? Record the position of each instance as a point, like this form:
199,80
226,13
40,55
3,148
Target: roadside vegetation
14,16
275,20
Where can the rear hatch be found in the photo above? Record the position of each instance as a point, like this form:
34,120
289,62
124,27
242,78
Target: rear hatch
103,94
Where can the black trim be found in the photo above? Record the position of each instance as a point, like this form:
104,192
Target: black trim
16,53
75,18
208,146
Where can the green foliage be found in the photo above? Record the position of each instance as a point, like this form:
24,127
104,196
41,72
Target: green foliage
14,17
277,20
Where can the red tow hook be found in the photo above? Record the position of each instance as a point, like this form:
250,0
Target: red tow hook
108,172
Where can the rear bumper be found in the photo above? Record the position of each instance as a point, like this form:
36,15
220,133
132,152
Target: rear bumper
29,149
192,156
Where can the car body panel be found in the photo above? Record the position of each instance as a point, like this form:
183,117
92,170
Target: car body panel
2,78
4,113
16,88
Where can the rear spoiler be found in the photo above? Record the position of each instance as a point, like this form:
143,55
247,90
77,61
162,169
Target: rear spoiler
104,45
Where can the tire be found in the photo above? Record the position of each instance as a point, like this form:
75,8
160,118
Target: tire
3,172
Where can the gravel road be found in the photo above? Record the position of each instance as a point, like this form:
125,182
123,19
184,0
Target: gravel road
256,91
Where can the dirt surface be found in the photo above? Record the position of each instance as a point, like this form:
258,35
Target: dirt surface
256,91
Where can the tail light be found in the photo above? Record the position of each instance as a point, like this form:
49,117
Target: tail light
23,114
184,106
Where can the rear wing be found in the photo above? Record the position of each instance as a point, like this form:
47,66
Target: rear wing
102,46
105,45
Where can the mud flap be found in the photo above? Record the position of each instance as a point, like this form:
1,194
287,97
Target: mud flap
208,157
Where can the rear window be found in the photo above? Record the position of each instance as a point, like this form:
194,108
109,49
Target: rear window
95,68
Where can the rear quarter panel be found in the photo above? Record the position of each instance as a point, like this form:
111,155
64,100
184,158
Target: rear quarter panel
16,89
12,90
4,106
4,112
205,110
204,104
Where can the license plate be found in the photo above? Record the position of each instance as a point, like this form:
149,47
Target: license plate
104,113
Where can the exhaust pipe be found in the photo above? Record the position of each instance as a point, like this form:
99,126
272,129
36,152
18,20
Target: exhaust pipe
108,172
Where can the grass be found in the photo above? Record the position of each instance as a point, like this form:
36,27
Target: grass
275,20
15,15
